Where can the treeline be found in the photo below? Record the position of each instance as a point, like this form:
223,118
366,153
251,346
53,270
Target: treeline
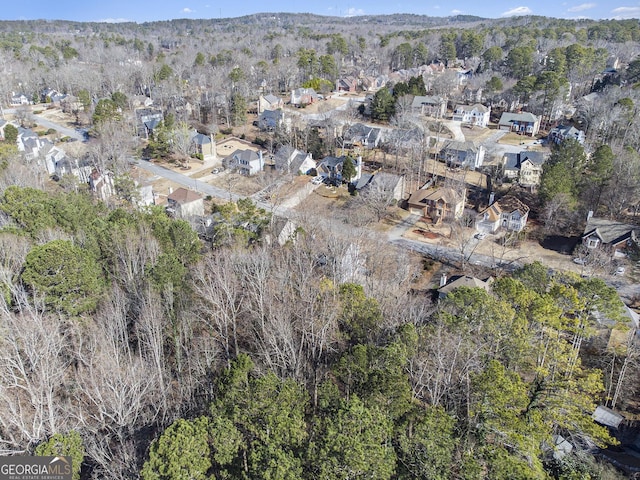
128,346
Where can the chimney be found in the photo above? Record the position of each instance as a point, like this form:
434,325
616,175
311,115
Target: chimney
170,190
589,215
492,197
443,279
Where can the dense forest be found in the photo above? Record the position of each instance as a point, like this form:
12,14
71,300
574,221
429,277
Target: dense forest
132,346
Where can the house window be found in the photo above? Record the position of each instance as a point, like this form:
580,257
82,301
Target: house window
592,242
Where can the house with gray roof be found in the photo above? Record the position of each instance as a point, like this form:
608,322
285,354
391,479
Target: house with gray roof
560,133
269,102
203,145
246,162
524,123
525,167
462,154
361,135
147,120
428,105
291,160
476,115
438,204
618,238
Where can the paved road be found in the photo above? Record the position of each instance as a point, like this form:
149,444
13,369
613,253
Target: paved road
69,132
199,186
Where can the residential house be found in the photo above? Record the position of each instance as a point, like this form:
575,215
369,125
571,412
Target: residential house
508,213
52,157
269,102
459,281
438,204
430,106
389,183
523,123
282,231
291,160
270,120
525,166
101,184
31,145
185,203
476,115
147,119
560,133
203,145
347,84
19,99
462,154
618,238
361,135
303,96
331,168
247,162
80,168
50,95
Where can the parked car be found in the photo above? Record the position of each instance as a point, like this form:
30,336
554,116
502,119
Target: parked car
619,270
317,180
579,261
480,235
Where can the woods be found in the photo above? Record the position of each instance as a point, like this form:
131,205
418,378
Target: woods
260,362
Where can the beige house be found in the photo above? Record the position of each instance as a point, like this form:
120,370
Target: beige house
185,203
526,167
438,204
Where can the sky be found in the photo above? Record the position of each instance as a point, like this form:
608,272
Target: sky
146,11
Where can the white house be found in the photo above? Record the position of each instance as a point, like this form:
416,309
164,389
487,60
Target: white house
508,213
247,162
476,115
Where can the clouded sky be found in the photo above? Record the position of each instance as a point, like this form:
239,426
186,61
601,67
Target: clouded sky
145,10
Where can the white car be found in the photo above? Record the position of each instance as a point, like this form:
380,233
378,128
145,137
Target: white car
480,235
317,180
620,270
579,261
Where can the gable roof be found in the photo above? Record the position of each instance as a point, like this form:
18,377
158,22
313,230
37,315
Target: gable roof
448,195
458,146
420,100
182,196
507,204
513,161
609,231
466,281
508,118
470,108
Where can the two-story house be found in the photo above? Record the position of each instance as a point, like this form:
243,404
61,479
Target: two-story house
331,167
430,106
560,133
508,213
184,203
303,96
269,102
442,204
462,154
246,162
476,115
361,135
524,123
525,167
292,160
